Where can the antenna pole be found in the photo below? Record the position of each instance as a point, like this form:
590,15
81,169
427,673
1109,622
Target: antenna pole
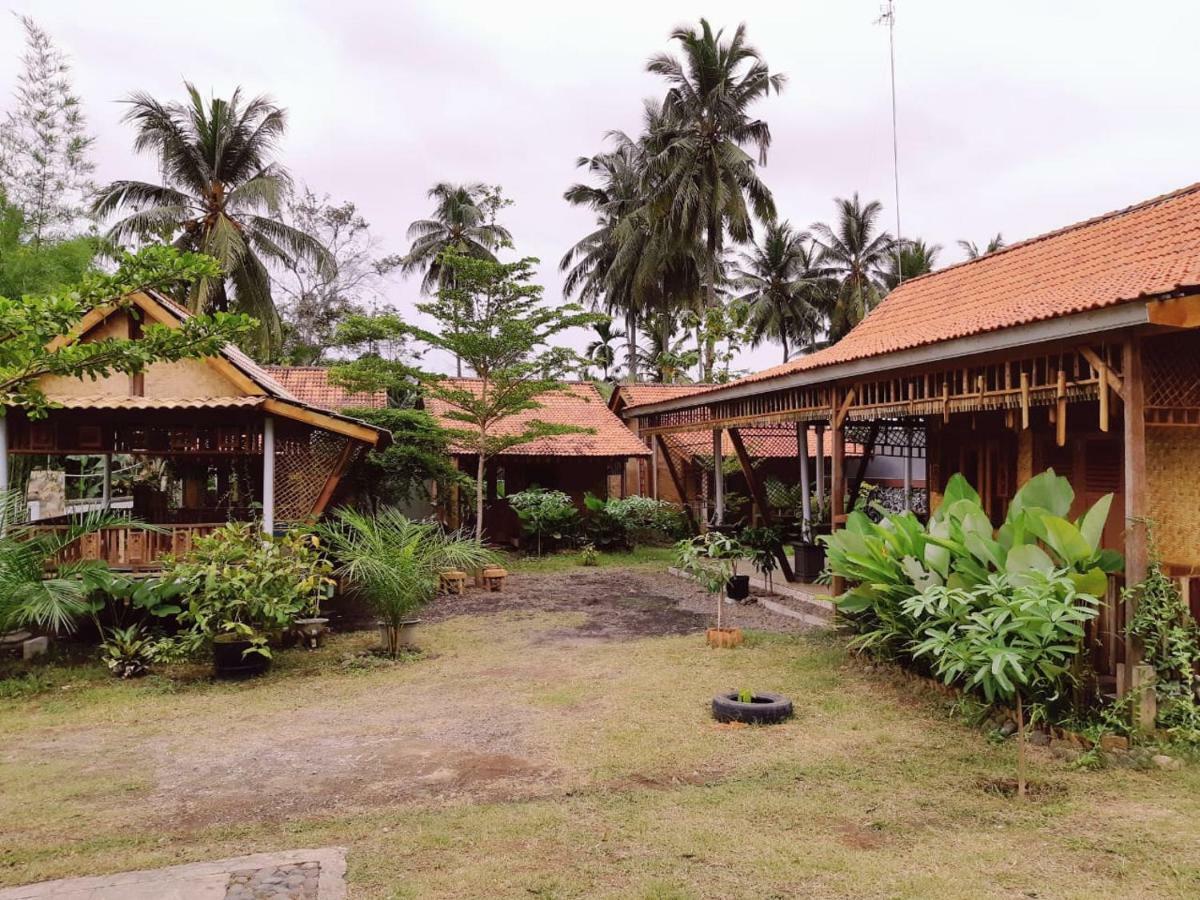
888,17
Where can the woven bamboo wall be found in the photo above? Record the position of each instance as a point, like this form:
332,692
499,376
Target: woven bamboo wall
1172,463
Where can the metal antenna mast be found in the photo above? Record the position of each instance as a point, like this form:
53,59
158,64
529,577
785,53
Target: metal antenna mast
887,16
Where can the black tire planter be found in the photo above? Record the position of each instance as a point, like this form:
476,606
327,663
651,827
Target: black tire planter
810,561
763,709
230,660
738,587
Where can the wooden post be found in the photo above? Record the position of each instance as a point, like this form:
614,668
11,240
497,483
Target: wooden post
837,496
654,468
757,494
268,479
718,479
805,487
678,482
4,476
1024,399
335,476
1060,418
1102,387
1136,554
106,482
820,429
908,468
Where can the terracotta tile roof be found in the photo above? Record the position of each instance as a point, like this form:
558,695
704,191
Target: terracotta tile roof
107,401
637,394
579,404
311,384
1146,250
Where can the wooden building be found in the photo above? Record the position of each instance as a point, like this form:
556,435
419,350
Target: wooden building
219,439
1077,349
593,461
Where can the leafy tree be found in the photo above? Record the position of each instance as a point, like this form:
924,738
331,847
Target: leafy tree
45,168
315,297
601,351
855,254
464,219
665,357
33,326
971,249
782,288
28,268
222,195
916,258
418,454
707,180
491,317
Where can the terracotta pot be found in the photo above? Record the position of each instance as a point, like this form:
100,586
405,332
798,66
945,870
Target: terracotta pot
724,637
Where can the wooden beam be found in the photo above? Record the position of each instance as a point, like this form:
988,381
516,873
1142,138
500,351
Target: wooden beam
1107,375
758,495
335,476
321,420
1180,312
678,482
1135,487
840,415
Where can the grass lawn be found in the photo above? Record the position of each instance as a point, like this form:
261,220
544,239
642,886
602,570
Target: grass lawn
524,757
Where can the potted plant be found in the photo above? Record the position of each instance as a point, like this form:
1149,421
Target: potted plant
705,558
396,563
809,556
243,586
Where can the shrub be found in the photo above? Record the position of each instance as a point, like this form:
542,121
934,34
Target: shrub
545,515
127,652
630,521
243,583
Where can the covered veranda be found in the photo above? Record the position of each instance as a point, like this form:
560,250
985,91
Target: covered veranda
1068,351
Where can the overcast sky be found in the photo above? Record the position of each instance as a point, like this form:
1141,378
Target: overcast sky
1017,117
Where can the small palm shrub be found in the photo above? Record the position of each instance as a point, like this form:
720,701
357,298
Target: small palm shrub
127,652
396,562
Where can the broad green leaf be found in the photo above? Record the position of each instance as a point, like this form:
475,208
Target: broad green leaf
1091,525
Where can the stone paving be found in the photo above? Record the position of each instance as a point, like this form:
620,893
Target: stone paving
290,875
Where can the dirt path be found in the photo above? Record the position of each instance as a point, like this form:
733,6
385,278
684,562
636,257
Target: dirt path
456,727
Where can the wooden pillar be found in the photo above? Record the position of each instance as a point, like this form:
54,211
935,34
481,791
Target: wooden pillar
106,482
268,479
820,428
837,489
805,488
1136,555
758,495
718,480
908,469
654,468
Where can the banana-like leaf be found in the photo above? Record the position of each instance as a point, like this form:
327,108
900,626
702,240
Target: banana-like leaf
1091,524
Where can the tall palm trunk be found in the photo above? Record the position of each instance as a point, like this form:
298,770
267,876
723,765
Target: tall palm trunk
783,340
708,351
631,343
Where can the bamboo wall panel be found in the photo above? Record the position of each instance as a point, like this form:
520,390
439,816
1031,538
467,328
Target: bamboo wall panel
1172,464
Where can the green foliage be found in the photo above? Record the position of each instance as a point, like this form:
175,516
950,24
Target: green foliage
243,583
745,696
626,522
764,545
898,558
122,595
128,651
1003,636
1170,639
28,596
589,555
395,562
222,195
545,515
711,559
417,455
30,323
491,317
38,268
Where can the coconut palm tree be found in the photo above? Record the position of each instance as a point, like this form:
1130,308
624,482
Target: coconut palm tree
602,351
463,218
855,255
221,190
971,249
665,358
915,258
705,181
781,285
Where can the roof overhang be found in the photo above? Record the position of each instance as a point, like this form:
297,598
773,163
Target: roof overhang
1113,318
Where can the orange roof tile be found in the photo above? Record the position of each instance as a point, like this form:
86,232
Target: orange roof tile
311,384
1147,250
637,394
579,404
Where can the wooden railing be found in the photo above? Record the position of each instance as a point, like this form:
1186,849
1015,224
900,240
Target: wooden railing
131,548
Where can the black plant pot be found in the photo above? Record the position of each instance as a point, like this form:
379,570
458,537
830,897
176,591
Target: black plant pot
230,660
810,561
738,587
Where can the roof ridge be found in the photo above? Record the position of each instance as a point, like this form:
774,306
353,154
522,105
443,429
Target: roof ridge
1047,235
